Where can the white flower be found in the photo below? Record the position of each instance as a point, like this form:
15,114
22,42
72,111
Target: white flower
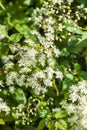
12,89
32,53
57,1
42,59
51,62
43,90
78,105
71,108
59,74
82,99
39,74
48,53
57,52
73,97
10,77
74,89
4,107
1,83
55,109
84,111
9,65
49,72
20,107
83,86
47,82
5,59
83,122
74,93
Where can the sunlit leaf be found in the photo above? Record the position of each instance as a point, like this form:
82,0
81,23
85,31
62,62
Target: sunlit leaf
15,37
61,125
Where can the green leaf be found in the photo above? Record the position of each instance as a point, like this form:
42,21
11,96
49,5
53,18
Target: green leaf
27,2
83,2
65,52
2,6
72,27
82,43
4,48
41,124
78,46
20,96
15,37
60,114
51,125
23,29
69,76
61,125
2,122
83,74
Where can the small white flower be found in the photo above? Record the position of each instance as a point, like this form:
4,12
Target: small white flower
51,62
78,105
71,108
49,72
43,90
5,59
57,52
59,74
12,89
47,82
40,74
4,107
55,109
83,122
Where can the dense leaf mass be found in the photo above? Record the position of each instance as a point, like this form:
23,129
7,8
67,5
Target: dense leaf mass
43,64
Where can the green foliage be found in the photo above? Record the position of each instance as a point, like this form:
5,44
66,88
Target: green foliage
41,124
61,124
5,128
43,54
20,96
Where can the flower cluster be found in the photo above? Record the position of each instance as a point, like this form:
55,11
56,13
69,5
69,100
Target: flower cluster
39,62
36,68
78,104
52,18
4,107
